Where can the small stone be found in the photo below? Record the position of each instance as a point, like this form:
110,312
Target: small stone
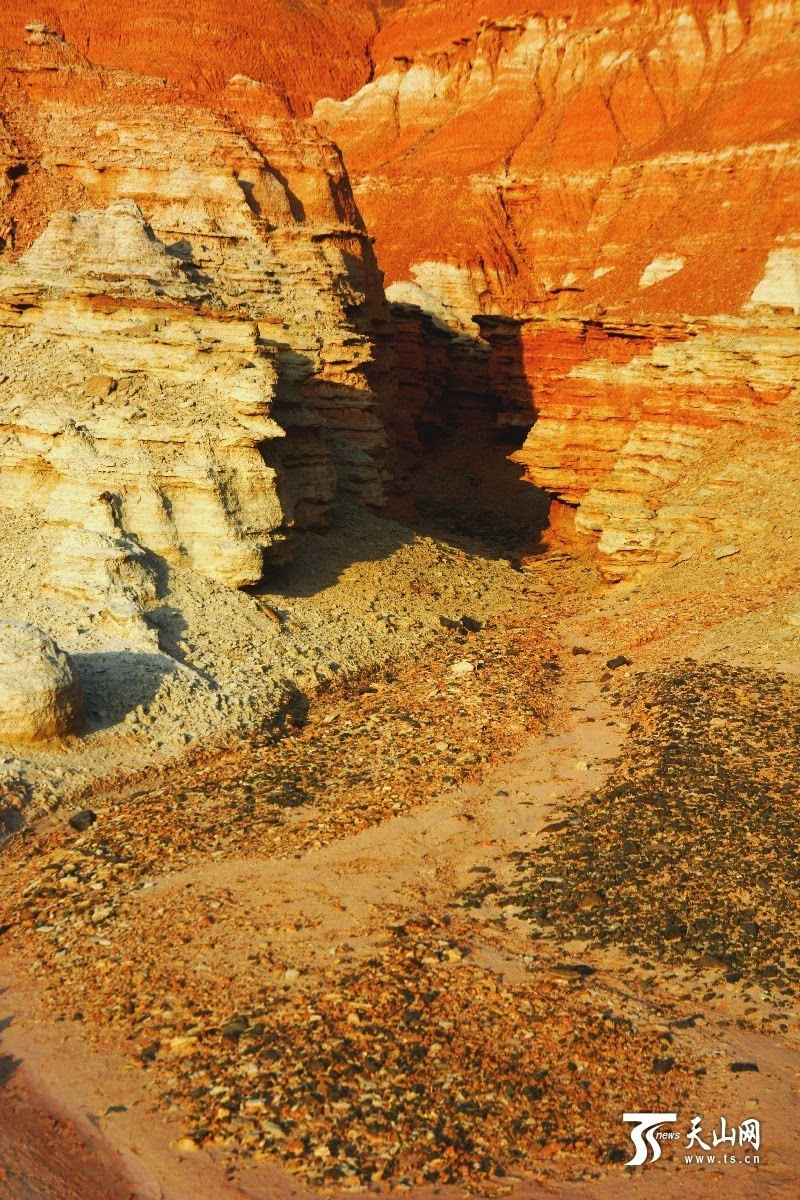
471,624
462,668
709,960
591,899
273,1130
234,1028
182,1047
662,1066
576,650
739,1067
555,827
100,385
619,661
572,970
83,820
726,551
449,623
186,1145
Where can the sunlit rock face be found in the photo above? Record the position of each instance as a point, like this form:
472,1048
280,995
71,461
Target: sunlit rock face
614,192
588,217
188,311
641,426
289,53
642,158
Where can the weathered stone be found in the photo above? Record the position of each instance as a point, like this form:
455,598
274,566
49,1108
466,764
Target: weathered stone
196,340
83,820
40,695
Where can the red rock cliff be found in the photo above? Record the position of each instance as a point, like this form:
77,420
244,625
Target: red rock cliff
615,190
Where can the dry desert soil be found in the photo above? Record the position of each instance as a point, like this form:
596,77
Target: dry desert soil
434,930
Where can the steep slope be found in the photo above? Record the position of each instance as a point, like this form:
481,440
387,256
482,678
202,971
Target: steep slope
297,50
615,192
571,158
214,273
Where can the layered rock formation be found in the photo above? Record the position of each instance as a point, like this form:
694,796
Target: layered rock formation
294,52
638,424
615,192
196,341
561,199
573,157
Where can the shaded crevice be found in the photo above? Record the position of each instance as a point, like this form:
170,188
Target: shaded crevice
464,407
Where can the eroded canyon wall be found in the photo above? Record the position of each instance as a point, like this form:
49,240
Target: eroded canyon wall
588,217
615,192
189,306
291,52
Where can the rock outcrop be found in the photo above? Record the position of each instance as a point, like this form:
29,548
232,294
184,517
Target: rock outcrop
40,696
292,53
614,195
637,425
195,339
588,220
644,159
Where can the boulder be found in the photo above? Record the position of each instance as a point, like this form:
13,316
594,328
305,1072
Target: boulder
40,696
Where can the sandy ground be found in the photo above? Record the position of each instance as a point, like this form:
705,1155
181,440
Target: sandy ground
337,900
399,792
100,1108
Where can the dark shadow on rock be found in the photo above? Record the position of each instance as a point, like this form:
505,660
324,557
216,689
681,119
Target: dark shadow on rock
11,819
320,557
8,1062
170,623
8,1065
117,681
326,478
296,206
184,252
467,488
465,405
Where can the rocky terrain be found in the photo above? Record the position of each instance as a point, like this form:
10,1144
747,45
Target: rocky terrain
400,577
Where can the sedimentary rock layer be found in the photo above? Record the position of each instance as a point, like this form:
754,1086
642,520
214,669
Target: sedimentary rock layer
561,197
292,52
639,425
615,192
644,160
195,336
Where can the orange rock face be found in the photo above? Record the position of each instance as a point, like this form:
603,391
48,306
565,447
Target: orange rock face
297,52
638,424
615,191
640,160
